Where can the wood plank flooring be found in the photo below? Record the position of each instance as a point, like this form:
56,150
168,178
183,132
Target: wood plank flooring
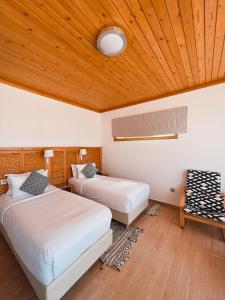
166,263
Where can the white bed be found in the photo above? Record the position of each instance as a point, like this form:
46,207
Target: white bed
51,232
126,198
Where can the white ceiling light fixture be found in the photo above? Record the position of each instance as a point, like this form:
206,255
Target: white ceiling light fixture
111,41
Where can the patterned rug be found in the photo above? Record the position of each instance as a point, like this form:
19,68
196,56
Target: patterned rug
123,239
154,210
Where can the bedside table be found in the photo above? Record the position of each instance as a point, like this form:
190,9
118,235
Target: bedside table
64,187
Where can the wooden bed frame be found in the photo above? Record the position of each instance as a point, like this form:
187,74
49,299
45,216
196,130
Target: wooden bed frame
57,288
125,218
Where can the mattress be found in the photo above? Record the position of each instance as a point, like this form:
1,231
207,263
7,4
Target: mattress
49,232
119,194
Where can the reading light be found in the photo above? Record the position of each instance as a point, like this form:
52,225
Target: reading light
48,154
82,153
111,41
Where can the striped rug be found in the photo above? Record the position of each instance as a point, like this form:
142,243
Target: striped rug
154,210
123,239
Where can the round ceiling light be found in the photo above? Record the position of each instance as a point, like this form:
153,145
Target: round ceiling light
111,41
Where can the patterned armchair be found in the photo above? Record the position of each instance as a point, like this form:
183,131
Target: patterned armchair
202,200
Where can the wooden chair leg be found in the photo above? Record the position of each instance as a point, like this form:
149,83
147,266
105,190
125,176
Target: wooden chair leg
223,231
182,220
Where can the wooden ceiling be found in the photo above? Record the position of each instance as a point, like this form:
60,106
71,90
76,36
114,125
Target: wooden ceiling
49,47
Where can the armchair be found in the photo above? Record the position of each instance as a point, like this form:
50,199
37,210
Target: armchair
202,200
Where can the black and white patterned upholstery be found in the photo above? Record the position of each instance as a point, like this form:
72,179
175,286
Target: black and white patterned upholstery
203,196
89,170
35,184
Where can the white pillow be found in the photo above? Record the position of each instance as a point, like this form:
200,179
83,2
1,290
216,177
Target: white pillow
74,170
16,180
77,170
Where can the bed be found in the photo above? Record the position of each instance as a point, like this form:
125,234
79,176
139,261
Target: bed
55,236
125,198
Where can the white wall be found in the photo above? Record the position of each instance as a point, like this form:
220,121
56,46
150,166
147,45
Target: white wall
162,163
27,119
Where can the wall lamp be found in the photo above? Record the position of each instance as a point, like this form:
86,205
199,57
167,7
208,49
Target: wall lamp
48,154
83,152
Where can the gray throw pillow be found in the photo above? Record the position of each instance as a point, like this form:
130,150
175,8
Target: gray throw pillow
89,170
35,184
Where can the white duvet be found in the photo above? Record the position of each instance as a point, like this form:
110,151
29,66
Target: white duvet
49,232
119,194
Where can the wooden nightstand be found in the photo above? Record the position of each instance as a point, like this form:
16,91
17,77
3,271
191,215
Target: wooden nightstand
64,187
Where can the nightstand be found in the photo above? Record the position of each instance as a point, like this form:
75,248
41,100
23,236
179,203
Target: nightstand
64,187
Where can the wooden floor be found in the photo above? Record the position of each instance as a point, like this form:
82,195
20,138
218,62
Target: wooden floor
166,263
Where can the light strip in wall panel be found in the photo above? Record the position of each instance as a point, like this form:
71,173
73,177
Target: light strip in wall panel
146,138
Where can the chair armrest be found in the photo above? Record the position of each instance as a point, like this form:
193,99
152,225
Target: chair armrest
182,200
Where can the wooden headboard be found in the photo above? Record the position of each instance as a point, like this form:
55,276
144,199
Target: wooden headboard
20,160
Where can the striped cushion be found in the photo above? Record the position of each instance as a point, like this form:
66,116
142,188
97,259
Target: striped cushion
203,190
206,214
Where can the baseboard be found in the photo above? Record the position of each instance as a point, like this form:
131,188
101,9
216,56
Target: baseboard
165,204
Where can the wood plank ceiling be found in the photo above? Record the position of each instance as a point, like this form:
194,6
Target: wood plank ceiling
49,47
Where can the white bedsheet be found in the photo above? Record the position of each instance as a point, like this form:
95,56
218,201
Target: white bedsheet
119,194
49,232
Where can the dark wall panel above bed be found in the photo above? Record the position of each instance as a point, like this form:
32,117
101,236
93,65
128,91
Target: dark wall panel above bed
10,162
57,167
33,159
71,157
20,160
93,155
